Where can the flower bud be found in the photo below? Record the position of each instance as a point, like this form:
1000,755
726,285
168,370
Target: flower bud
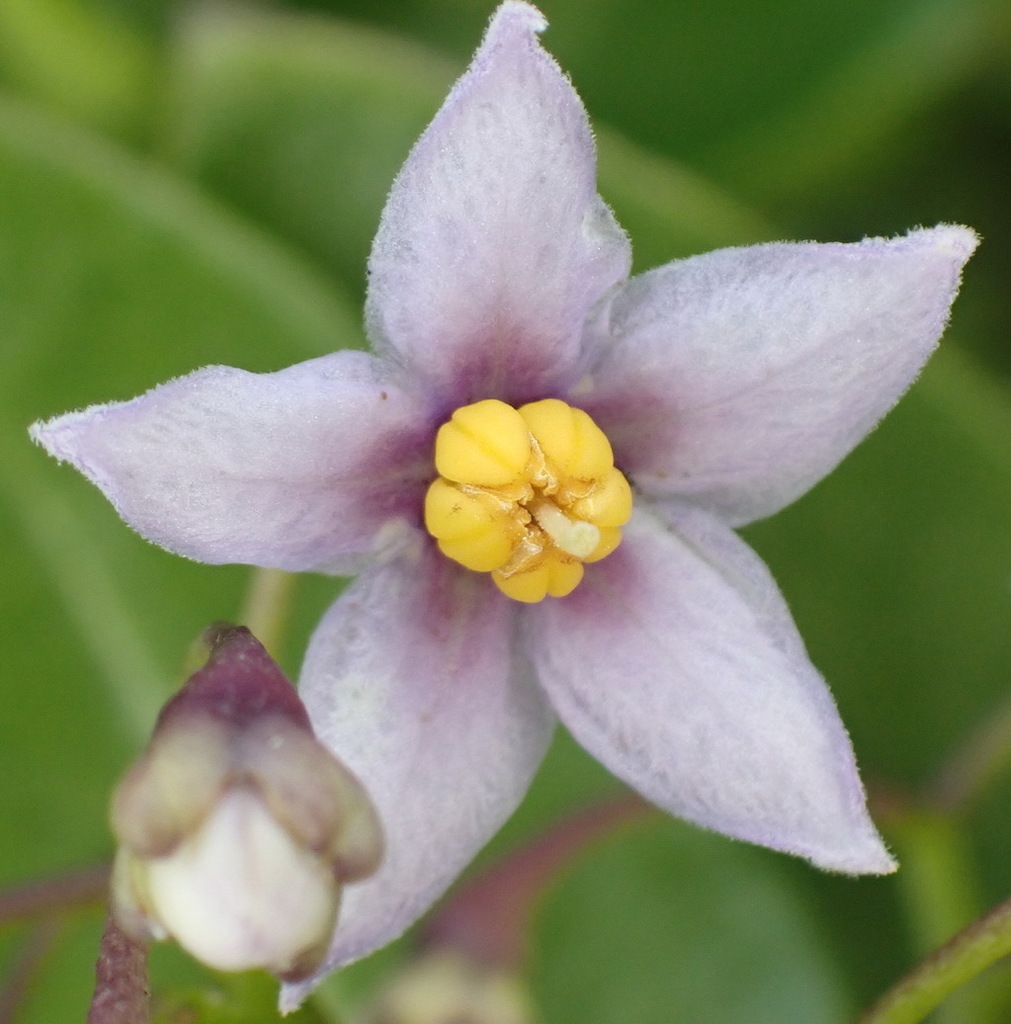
446,985
237,828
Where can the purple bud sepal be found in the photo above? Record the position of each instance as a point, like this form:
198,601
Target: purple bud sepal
239,683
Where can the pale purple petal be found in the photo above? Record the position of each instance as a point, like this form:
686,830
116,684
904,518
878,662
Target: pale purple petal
494,245
307,468
739,378
412,680
676,664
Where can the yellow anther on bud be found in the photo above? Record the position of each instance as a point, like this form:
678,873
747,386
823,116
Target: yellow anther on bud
527,494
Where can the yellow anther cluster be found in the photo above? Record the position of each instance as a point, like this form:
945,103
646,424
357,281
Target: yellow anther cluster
527,494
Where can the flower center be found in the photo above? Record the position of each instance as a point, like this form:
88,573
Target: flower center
527,494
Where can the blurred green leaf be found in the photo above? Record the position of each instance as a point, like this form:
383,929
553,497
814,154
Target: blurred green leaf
668,209
689,80
72,955
663,923
897,568
303,123
113,276
246,998
79,58
849,116
300,122
116,275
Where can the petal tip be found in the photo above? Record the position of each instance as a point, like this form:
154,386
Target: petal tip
512,31
70,438
956,240
292,996
53,436
867,856
37,432
949,240
515,16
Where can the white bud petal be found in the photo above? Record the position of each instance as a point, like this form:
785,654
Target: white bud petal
240,893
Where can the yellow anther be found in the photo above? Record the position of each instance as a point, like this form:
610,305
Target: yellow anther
551,577
528,495
486,444
610,538
569,439
610,502
471,527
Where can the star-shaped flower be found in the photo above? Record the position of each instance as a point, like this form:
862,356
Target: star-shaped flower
721,387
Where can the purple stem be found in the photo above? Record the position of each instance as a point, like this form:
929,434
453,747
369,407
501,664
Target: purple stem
26,966
121,989
62,892
489,916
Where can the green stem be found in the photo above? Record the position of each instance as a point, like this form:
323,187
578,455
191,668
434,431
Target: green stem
937,880
947,969
940,895
267,604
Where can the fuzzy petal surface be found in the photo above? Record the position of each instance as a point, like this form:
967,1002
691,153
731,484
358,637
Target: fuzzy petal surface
494,245
740,378
414,682
676,663
300,469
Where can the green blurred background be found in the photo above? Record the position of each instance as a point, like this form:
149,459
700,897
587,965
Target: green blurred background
190,183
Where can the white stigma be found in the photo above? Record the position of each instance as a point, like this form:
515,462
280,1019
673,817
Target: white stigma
573,536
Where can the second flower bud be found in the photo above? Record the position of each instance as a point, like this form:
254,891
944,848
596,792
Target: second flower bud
237,828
